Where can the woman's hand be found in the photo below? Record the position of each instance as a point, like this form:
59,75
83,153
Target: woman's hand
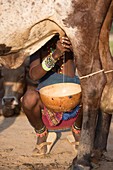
63,45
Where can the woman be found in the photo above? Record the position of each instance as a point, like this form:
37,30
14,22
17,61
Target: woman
49,65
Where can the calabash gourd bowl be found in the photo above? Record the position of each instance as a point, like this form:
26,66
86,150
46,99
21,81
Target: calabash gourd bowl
61,97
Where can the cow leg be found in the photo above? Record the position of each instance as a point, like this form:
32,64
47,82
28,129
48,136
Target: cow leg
104,118
102,131
90,98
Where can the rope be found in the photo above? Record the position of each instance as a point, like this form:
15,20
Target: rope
109,71
89,75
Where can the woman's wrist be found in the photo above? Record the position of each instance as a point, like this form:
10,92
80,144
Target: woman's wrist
57,54
48,63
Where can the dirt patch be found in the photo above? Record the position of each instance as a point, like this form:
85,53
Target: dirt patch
17,141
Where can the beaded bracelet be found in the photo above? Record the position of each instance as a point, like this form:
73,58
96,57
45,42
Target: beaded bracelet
48,63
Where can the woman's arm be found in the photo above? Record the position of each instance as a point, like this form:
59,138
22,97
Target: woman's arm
38,69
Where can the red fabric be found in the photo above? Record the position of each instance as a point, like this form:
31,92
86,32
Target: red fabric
52,117
65,124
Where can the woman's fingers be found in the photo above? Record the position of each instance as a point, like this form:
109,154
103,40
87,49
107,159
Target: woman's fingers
66,43
63,45
66,47
65,40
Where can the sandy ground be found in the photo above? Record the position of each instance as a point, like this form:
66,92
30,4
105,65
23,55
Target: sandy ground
17,141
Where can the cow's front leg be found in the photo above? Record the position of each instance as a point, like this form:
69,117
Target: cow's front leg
92,88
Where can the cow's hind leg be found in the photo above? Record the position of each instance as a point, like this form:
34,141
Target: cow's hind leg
91,94
102,132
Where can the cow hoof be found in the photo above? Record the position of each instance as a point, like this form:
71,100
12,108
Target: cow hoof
81,164
80,167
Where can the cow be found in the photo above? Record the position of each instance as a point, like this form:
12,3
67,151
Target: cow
27,25
1,93
14,83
